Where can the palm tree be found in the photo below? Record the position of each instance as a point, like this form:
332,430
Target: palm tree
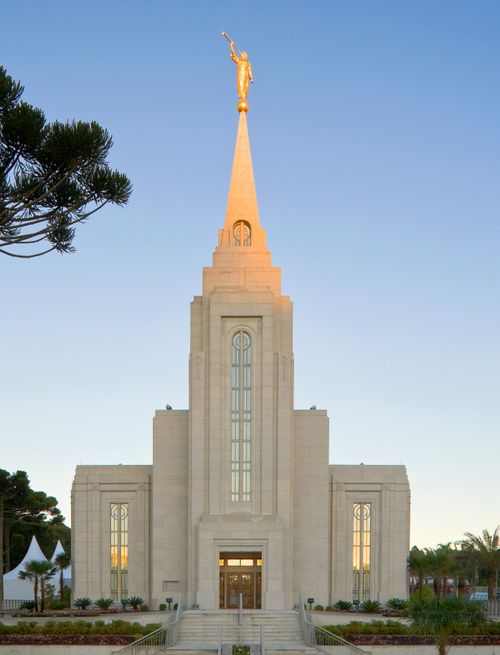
487,547
465,559
441,567
38,570
62,561
418,565
47,571
29,574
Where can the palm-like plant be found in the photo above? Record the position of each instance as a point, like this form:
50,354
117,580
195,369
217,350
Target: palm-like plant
440,566
418,565
465,564
62,561
29,574
487,546
439,617
49,571
39,571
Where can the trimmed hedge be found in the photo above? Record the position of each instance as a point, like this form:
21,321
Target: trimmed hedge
66,640
387,628
135,629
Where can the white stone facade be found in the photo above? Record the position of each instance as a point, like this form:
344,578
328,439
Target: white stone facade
241,477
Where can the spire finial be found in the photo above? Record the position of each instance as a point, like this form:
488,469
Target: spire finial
244,73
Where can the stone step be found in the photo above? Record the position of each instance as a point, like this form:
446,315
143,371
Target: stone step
284,648
204,627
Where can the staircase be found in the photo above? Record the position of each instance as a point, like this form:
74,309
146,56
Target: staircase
199,631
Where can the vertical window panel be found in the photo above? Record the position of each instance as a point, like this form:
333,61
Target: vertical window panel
241,422
361,551
119,550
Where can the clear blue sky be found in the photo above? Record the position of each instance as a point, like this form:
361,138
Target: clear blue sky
376,145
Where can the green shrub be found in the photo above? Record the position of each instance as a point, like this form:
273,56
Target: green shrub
343,605
144,607
83,603
80,628
371,606
135,601
427,593
57,605
373,628
240,650
103,603
329,608
28,605
163,607
397,604
319,608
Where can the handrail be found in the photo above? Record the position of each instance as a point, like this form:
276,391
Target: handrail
155,641
219,646
318,637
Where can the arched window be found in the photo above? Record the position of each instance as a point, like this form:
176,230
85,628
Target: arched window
241,416
119,550
361,551
242,234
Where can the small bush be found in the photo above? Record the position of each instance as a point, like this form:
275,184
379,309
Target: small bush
397,604
57,605
162,607
373,628
427,593
103,603
371,606
343,605
80,628
240,650
319,608
144,607
135,601
83,603
28,605
329,608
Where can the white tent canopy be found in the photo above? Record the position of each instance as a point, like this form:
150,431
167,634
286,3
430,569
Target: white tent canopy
13,587
17,589
57,551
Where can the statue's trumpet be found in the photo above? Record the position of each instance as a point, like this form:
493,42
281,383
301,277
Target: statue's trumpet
231,41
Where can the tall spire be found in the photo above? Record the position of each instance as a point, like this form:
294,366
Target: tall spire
242,199
242,212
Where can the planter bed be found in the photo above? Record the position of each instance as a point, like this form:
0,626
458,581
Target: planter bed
66,640
50,614
421,640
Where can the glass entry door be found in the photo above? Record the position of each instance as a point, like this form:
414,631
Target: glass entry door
240,573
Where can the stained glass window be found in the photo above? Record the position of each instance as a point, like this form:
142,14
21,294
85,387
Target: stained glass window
242,234
119,551
241,416
361,551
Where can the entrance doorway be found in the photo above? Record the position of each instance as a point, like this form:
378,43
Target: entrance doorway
240,573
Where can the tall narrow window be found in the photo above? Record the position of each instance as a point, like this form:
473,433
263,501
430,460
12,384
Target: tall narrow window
361,551
242,234
241,416
119,550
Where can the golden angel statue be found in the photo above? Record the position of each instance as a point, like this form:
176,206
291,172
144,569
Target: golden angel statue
244,73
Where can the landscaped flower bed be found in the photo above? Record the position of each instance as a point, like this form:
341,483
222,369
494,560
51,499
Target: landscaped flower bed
74,632
396,633
65,640
421,640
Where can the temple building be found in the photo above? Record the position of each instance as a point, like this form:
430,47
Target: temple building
240,497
